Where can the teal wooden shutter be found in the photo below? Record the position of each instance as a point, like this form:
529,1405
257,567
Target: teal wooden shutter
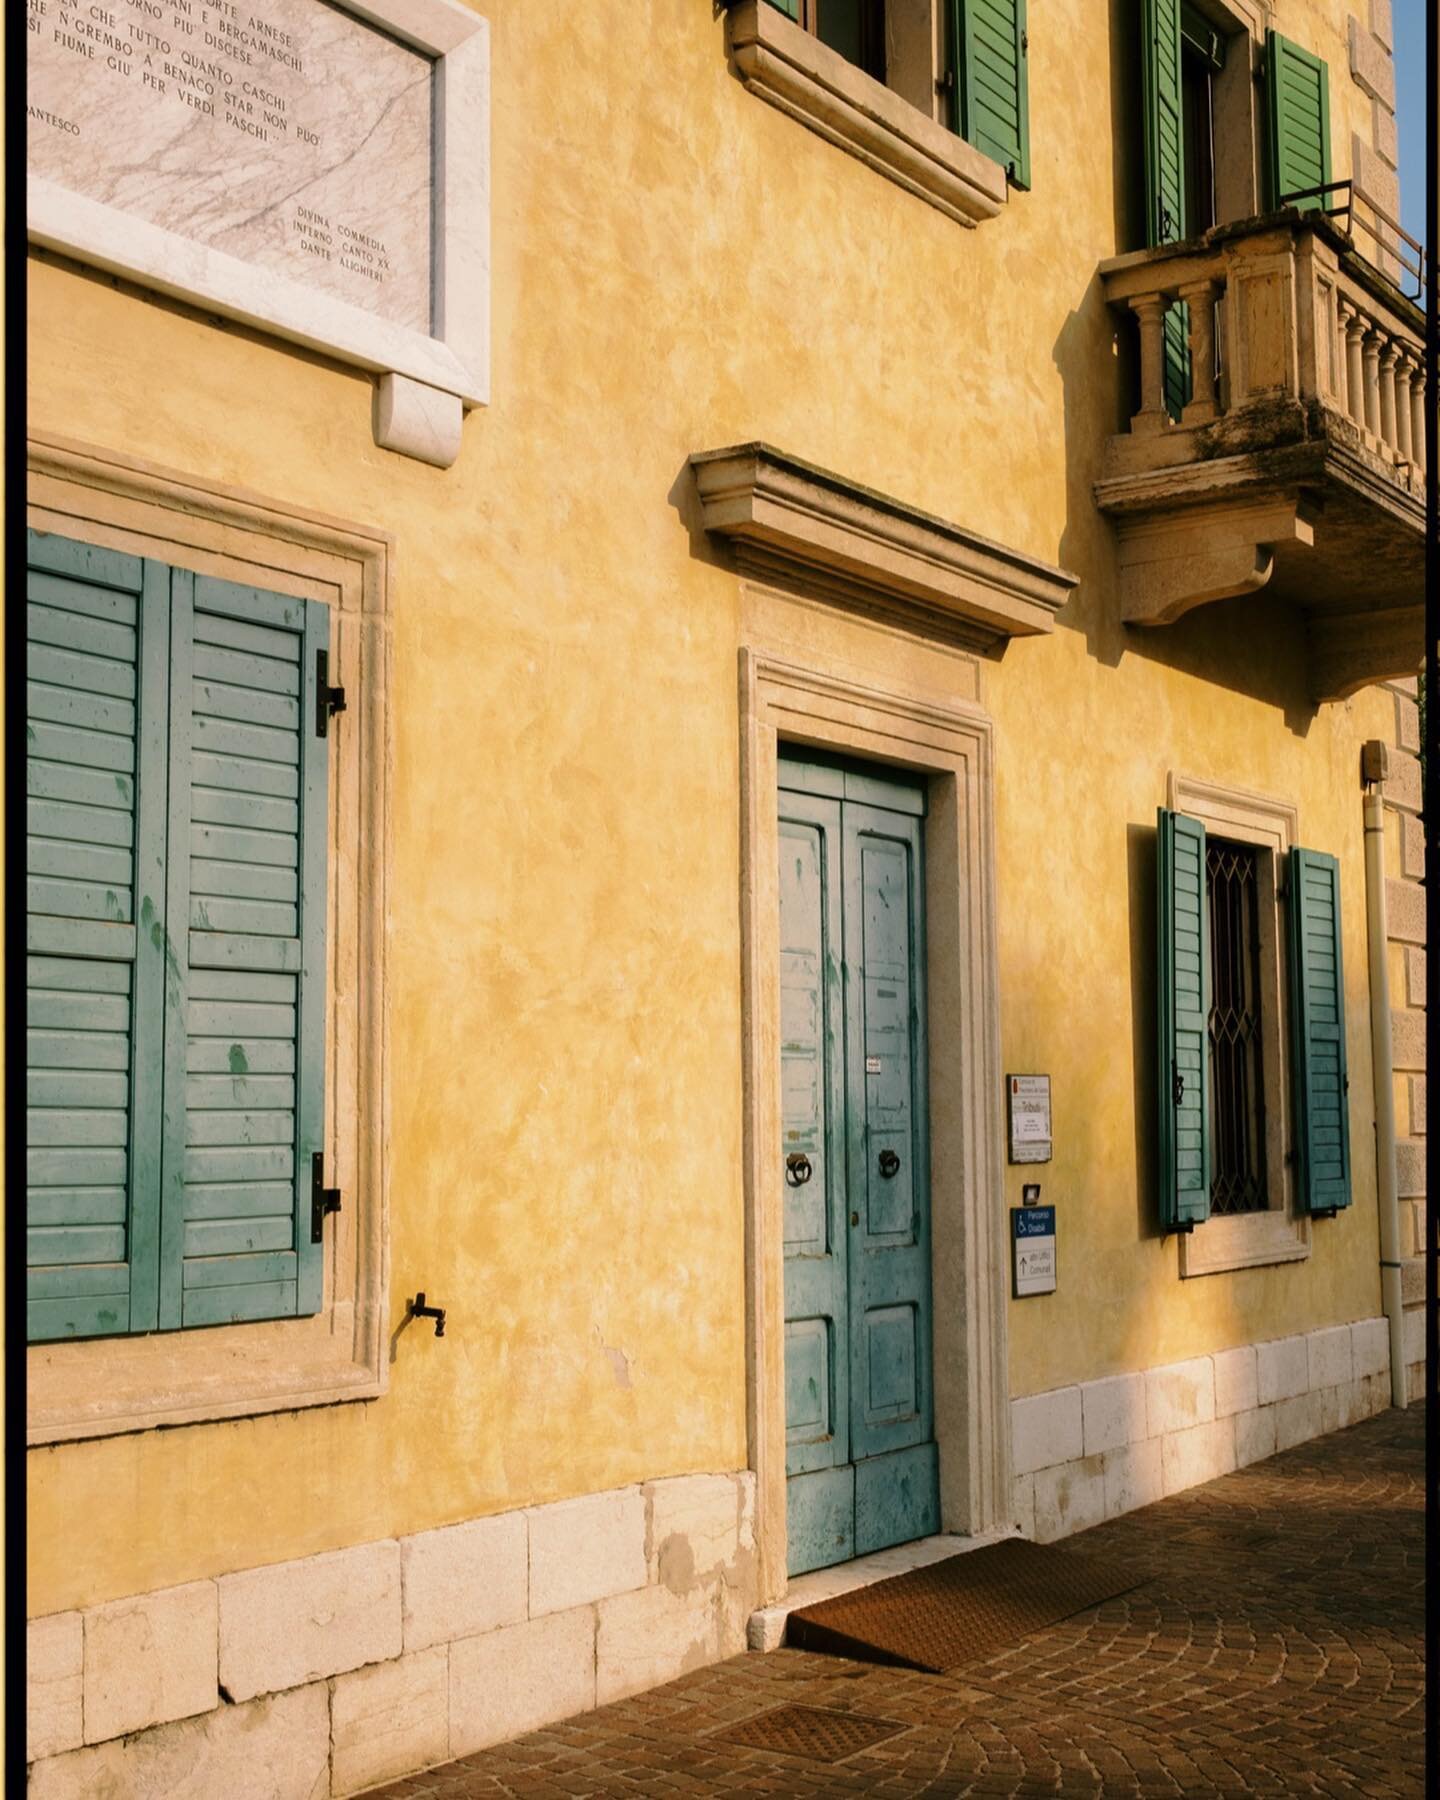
245,1029
1165,221
992,89
1164,130
1183,983
94,929
1319,1082
1297,120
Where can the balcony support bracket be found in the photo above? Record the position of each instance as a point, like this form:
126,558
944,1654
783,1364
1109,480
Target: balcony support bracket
1173,561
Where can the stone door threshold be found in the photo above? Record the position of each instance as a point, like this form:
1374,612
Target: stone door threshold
766,1629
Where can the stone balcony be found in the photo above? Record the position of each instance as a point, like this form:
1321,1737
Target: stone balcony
1298,464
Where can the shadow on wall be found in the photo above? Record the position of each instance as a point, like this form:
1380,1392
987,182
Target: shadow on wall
1097,363
1253,644
683,499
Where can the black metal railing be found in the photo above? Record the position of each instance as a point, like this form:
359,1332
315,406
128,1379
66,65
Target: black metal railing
1413,264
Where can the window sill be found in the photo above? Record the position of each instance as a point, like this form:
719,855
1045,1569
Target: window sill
796,72
1244,1241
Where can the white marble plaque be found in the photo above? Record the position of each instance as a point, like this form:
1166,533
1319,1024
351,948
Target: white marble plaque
284,132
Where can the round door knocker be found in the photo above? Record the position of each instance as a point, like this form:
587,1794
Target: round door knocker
889,1164
797,1168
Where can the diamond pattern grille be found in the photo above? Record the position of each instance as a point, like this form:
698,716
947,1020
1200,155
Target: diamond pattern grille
813,1731
1237,1091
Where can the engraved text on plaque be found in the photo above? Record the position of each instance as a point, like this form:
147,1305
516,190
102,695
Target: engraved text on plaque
284,132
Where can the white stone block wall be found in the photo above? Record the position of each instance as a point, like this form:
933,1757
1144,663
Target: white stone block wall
1406,924
1375,156
321,1677
1089,1452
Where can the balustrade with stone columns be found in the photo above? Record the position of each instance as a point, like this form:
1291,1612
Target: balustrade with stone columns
1294,314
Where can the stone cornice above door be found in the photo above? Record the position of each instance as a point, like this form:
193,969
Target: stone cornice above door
865,551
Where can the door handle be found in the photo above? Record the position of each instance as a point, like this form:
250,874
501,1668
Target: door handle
889,1164
797,1168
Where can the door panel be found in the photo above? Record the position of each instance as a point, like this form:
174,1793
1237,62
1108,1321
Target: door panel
820,1518
897,1498
889,1357
889,1287
817,1363
858,1389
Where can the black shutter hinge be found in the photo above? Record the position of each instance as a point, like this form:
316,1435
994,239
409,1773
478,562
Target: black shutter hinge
322,1199
1024,43
327,699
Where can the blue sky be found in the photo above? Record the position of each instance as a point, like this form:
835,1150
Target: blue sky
1410,65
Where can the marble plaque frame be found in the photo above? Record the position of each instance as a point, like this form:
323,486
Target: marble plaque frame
426,380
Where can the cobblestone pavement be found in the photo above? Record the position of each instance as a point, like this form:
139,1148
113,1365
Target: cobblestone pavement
1276,1648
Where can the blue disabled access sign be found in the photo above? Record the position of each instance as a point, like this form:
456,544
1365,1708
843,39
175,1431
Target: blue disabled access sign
1032,1249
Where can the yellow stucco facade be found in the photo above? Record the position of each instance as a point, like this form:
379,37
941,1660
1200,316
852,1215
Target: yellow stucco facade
678,266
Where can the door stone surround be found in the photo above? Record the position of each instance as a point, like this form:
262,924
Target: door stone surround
793,689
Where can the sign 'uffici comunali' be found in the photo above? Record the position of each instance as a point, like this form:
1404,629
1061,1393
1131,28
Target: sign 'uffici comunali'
318,170
285,132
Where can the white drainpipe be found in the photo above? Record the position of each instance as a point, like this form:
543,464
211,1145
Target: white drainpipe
1382,1059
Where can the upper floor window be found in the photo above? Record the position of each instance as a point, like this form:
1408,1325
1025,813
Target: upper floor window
962,63
1202,57
854,28
1231,127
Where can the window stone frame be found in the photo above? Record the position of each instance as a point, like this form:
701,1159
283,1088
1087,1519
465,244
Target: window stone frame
96,1387
1281,1233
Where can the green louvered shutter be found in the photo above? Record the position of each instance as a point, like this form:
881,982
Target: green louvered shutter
992,87
790,8
1298,120
1317,1012
1183,983
94,927
1165,221
245,1029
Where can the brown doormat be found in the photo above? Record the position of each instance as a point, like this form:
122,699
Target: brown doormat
965,1607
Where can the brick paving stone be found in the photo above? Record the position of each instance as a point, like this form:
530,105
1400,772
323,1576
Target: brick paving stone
1276,1649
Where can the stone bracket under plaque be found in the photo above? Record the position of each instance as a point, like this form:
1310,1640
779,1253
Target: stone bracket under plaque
429,369
416,420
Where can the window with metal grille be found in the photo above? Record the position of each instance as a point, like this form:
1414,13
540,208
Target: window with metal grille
1237,1092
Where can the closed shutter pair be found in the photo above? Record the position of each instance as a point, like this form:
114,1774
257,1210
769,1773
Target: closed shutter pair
1318,1080
175,940
1297,138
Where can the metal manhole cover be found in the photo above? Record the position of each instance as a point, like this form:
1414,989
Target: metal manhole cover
811,1731
1226,1537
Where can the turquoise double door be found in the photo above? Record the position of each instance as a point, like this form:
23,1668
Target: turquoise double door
860,1457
